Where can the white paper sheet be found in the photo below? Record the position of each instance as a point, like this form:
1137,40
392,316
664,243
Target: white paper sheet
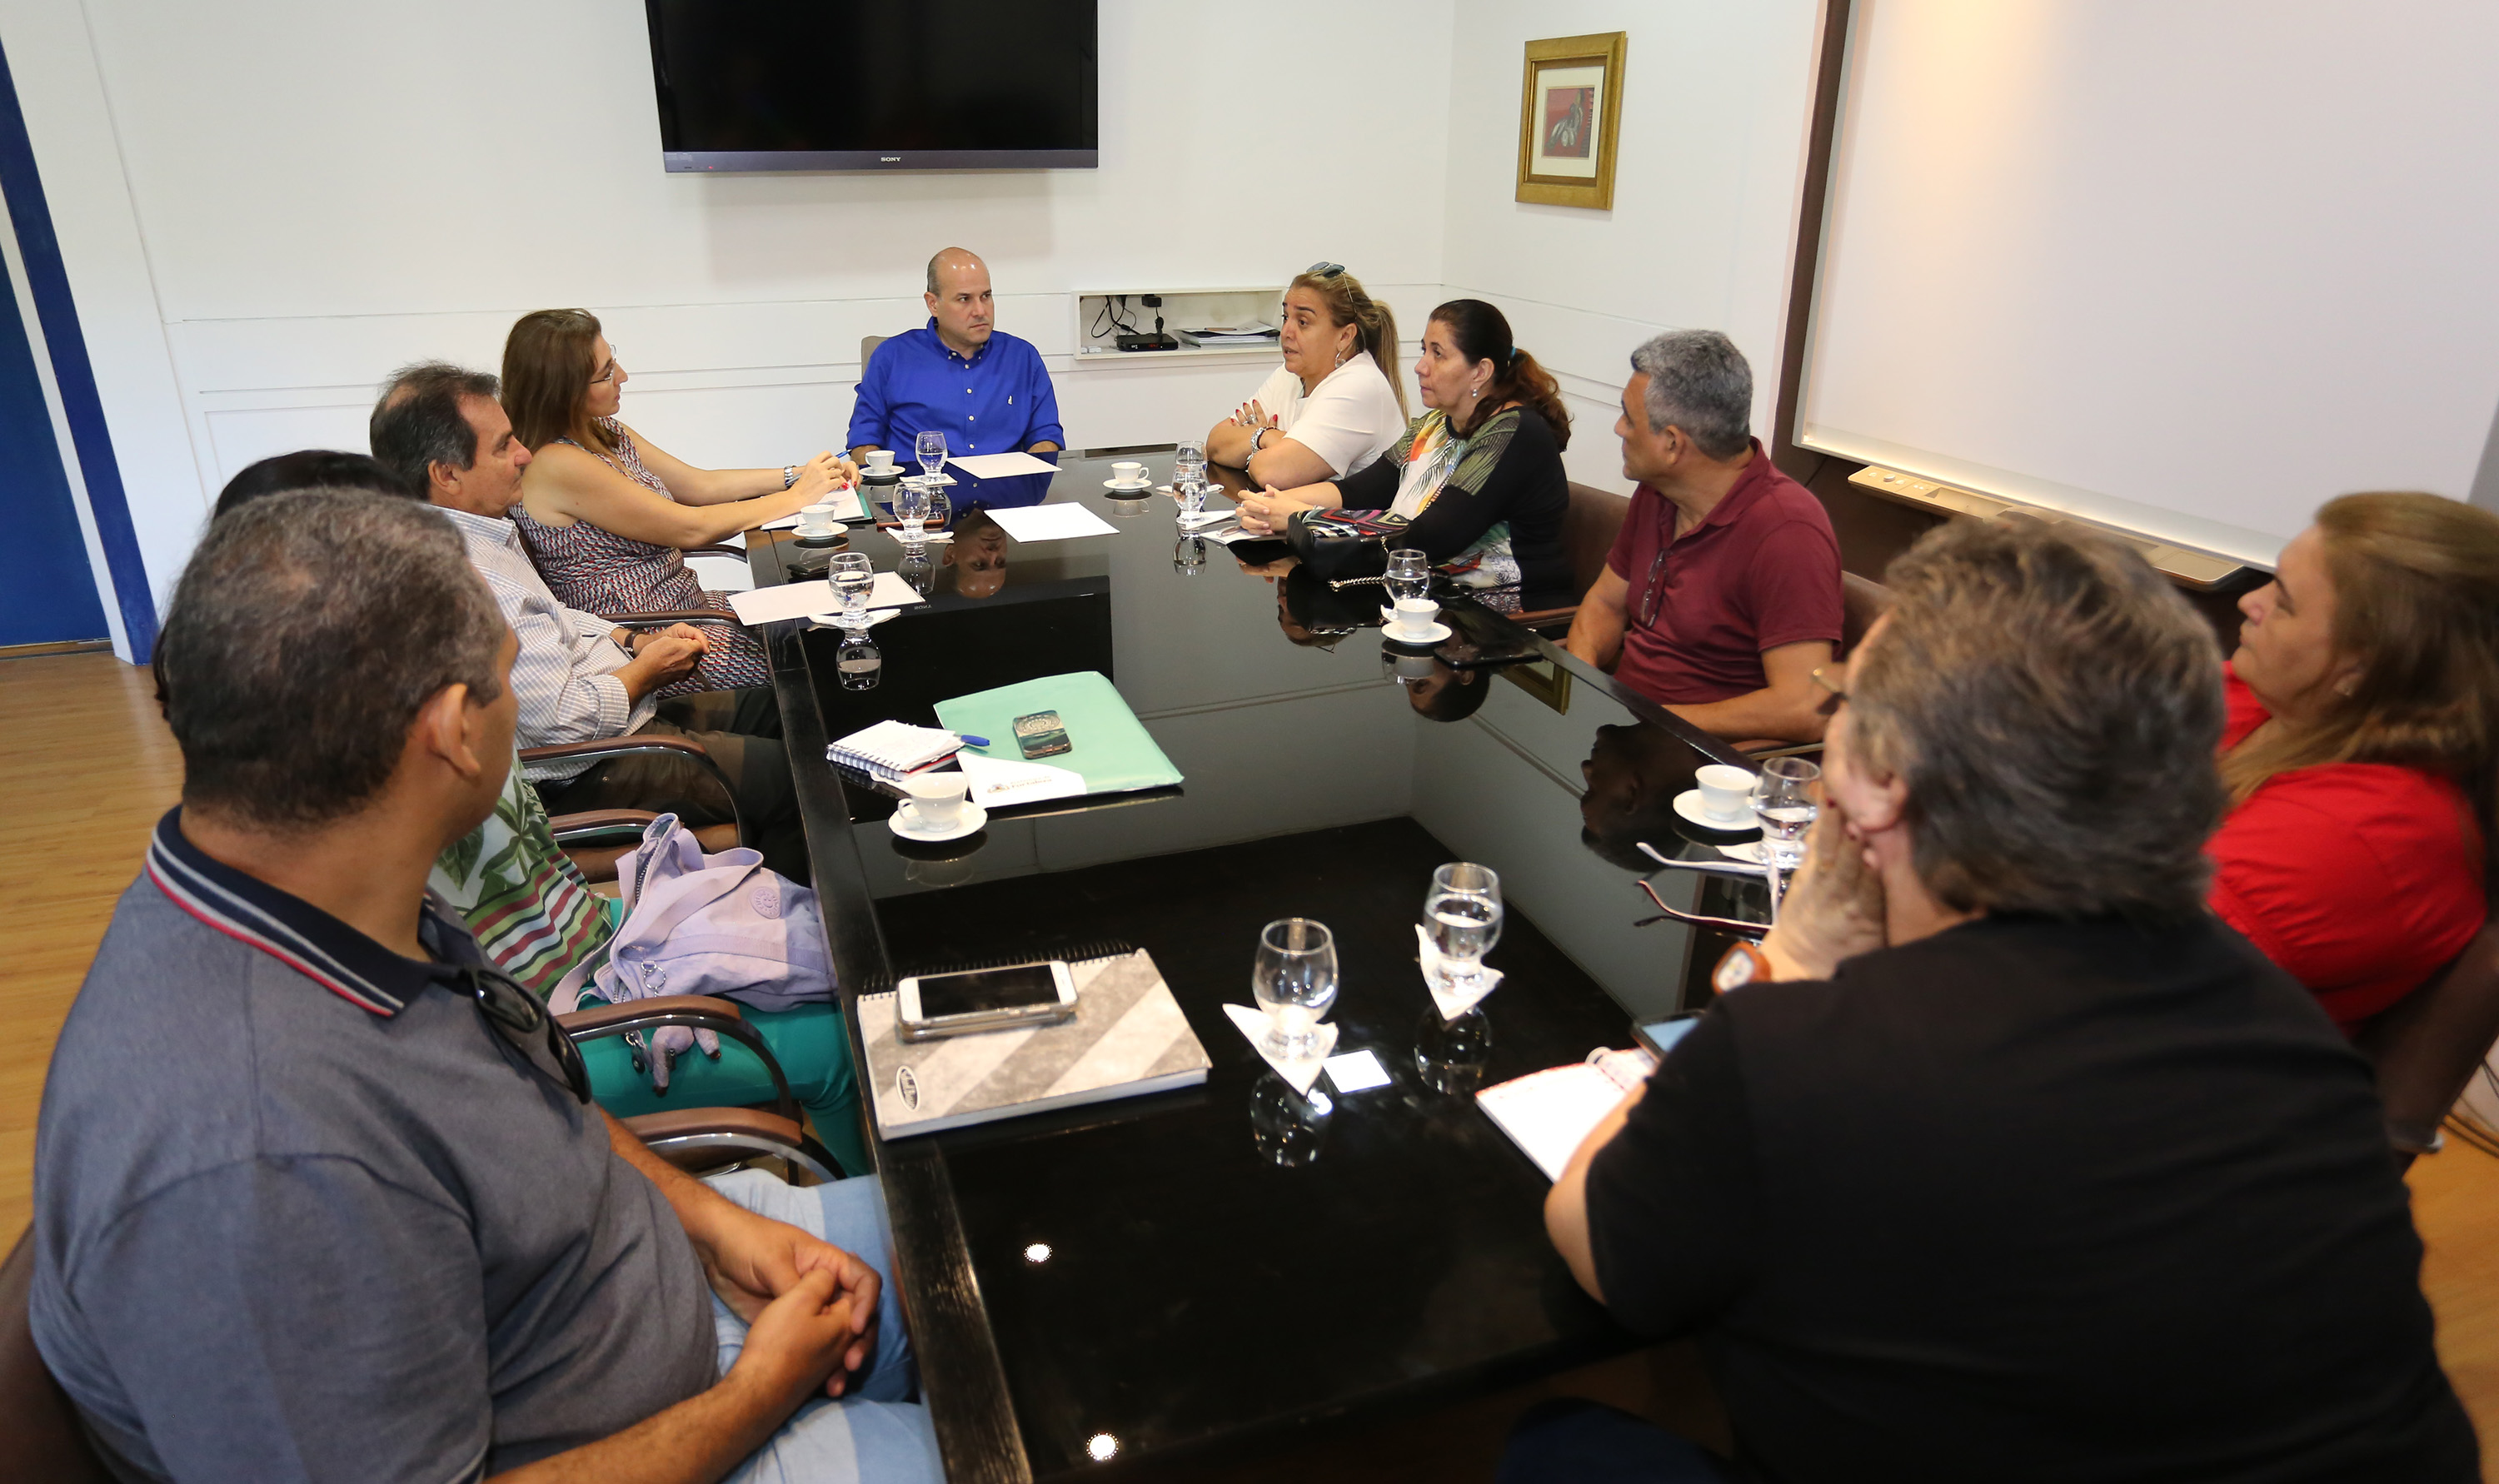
805,600
1052,522
846,507
999,782
999,465
1357,1071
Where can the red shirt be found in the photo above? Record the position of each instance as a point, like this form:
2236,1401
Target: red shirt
2362,879
1761,571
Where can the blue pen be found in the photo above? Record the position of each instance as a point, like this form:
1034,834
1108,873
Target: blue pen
968,740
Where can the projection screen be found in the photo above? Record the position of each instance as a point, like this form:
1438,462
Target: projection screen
2187,267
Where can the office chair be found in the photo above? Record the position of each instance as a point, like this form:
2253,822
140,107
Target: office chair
2431,1043
1588,530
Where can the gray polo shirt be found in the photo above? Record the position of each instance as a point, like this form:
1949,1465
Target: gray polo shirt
301,1213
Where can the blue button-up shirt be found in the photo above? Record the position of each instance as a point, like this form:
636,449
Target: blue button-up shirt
997,401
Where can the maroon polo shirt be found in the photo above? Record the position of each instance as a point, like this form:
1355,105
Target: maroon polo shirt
1761,571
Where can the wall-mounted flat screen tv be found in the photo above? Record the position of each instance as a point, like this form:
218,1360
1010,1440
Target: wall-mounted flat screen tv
876,84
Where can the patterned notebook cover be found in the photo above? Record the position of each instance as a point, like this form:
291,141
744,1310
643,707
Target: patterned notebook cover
1128,1038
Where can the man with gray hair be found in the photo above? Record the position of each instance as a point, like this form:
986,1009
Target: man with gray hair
1722,594
319,1192
985,390
2000,1158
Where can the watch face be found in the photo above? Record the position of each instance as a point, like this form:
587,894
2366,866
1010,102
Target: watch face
1734,971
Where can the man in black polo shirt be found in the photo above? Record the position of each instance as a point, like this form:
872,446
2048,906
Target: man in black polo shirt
2001,1159
317,1195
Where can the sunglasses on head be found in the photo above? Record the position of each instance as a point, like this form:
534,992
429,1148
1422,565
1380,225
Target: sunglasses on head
515,1012
1323,268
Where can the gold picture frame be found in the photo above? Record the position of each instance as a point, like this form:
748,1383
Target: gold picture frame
1570,116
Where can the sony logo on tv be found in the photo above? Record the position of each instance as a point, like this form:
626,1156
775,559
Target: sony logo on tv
888,159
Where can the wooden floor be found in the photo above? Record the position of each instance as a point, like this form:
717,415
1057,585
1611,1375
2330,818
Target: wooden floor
92,768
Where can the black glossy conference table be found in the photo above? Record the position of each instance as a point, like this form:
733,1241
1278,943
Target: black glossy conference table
1230,1267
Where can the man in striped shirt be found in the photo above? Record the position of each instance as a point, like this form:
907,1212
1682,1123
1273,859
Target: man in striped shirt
579,677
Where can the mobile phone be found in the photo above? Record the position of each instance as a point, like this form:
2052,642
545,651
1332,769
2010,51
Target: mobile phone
1660,1036
932,1005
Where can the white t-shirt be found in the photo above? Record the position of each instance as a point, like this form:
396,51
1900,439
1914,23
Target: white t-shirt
1349,420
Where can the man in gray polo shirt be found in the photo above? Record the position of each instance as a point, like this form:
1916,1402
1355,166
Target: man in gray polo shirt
318,1196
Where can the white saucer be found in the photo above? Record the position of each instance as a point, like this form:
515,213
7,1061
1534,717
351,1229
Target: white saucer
1431,636
1688,804
975,818
1141,487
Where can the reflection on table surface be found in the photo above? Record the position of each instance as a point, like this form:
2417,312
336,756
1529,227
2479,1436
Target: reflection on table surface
1242,1258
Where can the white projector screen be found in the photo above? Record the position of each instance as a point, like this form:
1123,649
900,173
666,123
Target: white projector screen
2187,267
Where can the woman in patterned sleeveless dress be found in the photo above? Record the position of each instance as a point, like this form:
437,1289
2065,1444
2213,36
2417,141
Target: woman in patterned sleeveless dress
607,516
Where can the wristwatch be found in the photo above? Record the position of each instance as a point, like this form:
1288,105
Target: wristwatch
1741,965
1263,430
789,476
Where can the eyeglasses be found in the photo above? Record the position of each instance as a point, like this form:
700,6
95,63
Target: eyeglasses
613,367
1323,268
1650,591
1831,702
511,1008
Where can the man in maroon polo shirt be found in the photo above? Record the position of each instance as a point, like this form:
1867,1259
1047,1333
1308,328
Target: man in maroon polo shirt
1722,594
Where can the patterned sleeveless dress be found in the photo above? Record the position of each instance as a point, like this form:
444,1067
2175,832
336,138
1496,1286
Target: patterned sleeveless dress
599,572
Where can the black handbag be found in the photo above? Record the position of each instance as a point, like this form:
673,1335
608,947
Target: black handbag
1336,545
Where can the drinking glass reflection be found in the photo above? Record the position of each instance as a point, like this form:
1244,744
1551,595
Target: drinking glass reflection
1285,1126
860,663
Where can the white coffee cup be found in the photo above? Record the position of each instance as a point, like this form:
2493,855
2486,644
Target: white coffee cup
879,459
1415,615
1127,472
818,519
1725,789
937,798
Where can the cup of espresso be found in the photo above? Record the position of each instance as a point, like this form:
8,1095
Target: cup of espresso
1127,471
879,460
937,798
816,518
1415,615
1725,790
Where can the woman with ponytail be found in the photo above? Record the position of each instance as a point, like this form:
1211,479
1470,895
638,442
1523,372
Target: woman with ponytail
2360,752
1334,406
1479,473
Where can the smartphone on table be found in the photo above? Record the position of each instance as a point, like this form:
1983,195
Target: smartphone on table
1660,1036
933,1005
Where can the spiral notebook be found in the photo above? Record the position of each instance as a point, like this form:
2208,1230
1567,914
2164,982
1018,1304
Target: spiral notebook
891,750
1128,1038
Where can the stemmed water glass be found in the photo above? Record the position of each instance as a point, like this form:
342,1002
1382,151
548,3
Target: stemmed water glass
1784,800
853,577
1294,982
1462,917
1410,575
911,508
931,449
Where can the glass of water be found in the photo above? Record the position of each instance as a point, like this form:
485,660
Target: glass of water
1294,981
1410,574
911,508
931,449
1462,917
1784,801
853,577
1188,475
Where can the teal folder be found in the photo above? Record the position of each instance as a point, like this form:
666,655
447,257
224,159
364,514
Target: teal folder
1109,749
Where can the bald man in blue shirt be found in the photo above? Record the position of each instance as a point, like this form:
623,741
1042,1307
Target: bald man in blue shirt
986,391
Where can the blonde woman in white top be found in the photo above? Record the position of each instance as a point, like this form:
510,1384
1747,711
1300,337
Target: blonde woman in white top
1335,404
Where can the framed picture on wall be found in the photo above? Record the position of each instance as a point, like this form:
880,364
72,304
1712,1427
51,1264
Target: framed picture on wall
1568,119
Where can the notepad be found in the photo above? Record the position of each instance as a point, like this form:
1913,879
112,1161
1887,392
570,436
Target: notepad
1052,522
1000,466
1548,1113
890,749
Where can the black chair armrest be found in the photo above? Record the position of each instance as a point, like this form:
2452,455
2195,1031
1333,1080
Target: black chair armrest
597,825
2429,1044
717,549
699,1137
641,742
664,618
695,1012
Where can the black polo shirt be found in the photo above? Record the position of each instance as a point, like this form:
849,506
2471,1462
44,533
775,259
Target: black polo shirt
2039,1201
301,1213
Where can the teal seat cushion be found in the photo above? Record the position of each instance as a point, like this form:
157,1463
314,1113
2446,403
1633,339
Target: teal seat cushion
809,1041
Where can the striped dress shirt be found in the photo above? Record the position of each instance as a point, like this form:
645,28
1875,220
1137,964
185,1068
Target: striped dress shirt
565,675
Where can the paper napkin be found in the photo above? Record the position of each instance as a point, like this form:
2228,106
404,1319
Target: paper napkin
1454,1002
1300,1073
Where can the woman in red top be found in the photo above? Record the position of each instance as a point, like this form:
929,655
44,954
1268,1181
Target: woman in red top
2359,753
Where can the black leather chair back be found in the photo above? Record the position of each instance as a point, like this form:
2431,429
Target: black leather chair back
41,1442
